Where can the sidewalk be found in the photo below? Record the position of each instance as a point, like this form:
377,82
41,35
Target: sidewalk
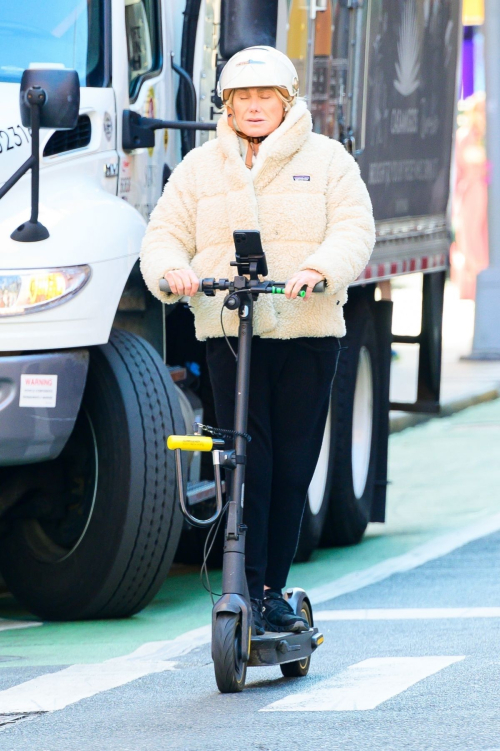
463,382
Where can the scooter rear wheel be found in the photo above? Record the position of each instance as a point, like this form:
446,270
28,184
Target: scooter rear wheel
230,668
299,668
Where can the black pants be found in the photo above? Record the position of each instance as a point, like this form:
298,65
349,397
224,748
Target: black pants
290,385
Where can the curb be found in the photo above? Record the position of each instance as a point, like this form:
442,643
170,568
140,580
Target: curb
400,421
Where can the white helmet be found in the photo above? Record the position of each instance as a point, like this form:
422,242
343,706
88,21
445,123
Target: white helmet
258,66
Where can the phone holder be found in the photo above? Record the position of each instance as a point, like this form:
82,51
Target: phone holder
253,265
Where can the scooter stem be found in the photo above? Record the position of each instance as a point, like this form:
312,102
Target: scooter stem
233,567
245,312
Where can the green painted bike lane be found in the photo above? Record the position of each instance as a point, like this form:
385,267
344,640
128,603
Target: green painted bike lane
444,475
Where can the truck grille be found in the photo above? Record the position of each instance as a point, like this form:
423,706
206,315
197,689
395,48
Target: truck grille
69,140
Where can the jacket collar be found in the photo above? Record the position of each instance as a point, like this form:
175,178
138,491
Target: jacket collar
274,152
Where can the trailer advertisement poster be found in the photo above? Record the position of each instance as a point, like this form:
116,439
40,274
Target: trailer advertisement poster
410,90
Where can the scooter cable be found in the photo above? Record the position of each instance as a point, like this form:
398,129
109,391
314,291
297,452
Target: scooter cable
204,576
222,432
225,335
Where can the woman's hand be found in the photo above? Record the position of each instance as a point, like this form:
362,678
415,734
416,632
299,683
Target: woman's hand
308,278
182,282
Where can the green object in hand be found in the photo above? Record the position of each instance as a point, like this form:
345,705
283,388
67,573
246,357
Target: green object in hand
281,291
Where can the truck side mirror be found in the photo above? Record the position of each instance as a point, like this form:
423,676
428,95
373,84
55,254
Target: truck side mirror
48,98
62,97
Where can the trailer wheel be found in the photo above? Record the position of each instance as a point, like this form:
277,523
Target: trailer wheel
357,407
96,534
318,496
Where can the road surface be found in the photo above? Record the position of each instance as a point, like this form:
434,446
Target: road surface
411,621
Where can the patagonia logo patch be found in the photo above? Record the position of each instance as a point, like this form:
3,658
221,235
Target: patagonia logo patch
302,178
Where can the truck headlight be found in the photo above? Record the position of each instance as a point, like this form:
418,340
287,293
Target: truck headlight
31,290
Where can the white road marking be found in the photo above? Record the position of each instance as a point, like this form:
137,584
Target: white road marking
405,614
57,690
173,648
364,685
429,551
6,625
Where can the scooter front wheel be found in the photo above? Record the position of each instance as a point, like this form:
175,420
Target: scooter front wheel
299,668
230,668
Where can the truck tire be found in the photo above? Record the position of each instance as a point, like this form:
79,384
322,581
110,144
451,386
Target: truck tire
105,547
357,407
318,497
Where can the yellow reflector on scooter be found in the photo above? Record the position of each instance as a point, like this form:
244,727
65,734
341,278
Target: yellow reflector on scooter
190,442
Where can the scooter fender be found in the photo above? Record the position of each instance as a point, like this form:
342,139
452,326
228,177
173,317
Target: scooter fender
232,603
295,597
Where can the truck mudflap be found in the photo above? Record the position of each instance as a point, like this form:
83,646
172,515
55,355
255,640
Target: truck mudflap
40,396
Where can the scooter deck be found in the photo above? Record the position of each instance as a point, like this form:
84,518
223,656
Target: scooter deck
276,648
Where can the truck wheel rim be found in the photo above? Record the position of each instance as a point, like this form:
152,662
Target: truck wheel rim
48,546
316,492
362,423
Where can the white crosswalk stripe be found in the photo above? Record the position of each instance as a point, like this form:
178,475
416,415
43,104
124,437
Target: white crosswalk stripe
54,691
8,625
364,685
404,614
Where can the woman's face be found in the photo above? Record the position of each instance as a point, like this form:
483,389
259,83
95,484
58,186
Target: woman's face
258,111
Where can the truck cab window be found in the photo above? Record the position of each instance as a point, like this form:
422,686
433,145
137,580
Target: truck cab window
143,41
67,32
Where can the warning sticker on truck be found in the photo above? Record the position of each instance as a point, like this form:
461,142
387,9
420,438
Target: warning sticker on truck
38,390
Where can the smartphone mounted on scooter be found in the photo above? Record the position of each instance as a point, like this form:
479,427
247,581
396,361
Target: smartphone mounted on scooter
250,256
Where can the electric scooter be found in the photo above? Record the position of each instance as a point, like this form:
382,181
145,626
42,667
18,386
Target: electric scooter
234,647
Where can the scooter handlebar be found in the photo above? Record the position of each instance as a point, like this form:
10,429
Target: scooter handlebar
319,287
165,287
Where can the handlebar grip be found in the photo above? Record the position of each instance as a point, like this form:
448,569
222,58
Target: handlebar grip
320,286
165,287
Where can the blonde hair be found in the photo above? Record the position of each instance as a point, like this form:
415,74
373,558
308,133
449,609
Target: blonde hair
286,100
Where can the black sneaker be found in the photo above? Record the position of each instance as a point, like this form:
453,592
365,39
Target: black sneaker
279,616
257,621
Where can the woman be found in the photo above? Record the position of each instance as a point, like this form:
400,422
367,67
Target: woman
267,171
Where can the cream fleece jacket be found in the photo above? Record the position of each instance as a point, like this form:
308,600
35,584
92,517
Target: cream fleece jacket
305,195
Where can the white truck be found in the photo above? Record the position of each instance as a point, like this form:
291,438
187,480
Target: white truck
94,372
